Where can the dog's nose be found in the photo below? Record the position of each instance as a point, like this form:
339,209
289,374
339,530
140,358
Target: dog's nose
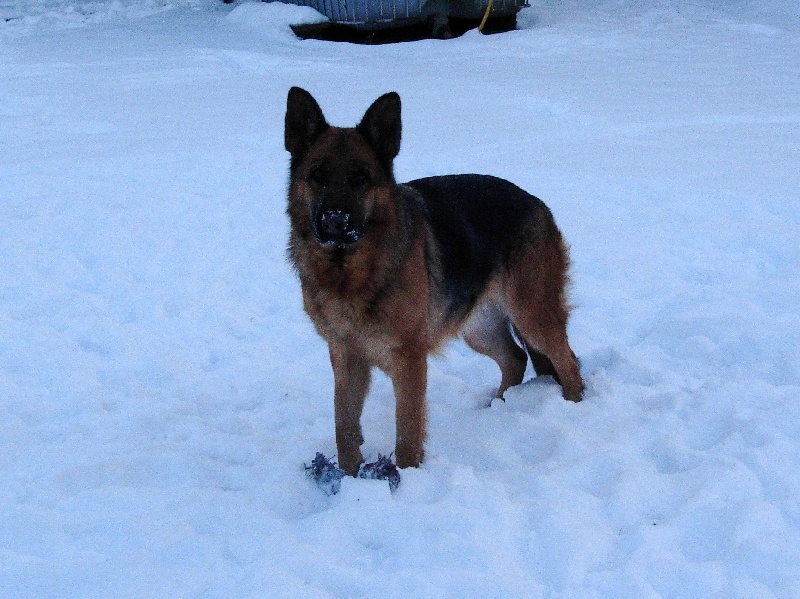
335,222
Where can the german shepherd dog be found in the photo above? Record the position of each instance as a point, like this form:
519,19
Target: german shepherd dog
390,271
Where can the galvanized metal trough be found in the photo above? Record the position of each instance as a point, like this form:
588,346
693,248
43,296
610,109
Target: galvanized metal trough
384,14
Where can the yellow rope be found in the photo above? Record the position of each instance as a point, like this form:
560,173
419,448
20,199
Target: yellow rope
485,16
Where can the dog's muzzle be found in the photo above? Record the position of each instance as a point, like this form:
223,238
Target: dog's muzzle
337,228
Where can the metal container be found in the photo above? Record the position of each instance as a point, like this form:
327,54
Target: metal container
383,14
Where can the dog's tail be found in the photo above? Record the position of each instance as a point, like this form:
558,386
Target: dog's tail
541,363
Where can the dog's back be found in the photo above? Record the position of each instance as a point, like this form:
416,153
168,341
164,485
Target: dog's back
479,223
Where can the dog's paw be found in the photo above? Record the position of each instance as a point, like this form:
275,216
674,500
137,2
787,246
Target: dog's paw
326,474
409,455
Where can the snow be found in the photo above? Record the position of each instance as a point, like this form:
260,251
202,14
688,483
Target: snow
161,388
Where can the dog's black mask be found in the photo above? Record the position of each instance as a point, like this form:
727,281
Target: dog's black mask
336,227
337,217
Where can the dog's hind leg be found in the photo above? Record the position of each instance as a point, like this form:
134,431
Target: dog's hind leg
546,335
488,332
536,304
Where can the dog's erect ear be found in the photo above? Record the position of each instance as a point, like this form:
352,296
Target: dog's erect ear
381,126
304,123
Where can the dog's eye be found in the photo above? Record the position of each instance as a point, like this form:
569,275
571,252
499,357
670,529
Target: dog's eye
359,178
318,176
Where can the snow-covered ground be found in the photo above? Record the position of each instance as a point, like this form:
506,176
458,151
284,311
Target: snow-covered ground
161,388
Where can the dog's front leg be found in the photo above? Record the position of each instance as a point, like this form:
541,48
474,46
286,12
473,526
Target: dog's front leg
351,375
409,377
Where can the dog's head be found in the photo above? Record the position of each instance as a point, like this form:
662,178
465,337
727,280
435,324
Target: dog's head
340,178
